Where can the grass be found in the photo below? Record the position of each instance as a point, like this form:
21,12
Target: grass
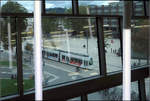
6,64
9,86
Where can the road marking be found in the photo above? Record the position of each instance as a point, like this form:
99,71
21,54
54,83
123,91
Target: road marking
55,77
58,67
95,73
73,73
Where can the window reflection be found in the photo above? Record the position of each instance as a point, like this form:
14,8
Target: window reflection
59,7
115,93
69,49
16,6
112,44
8,63
27,54
138,8
139,42
101,7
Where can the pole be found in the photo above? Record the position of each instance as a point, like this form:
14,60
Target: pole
89,22
87,42
38,50
127,51
9,43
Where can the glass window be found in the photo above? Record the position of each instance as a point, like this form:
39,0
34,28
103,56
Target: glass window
147,7
100,7
16,6
8,59
27,52
147,88
59,7
138,8
112,44
139,42
75,42
114,93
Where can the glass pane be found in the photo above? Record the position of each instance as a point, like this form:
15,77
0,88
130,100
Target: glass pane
112,7
59,7
27,53
112,44
114,93
17,6
138,8
8,63
147,7
70,49
139,42
147,88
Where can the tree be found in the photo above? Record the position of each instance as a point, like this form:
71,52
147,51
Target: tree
49,24
18,24
76,24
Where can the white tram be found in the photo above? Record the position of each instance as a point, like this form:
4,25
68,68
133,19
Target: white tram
75,59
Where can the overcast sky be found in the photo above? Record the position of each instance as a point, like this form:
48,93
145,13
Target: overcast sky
64,4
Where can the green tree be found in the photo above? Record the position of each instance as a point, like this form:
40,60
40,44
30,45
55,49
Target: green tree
76,24
18,24
49,24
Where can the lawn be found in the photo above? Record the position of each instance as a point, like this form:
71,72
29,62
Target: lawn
9,86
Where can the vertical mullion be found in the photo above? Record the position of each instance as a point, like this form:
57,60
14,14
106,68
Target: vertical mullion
121,42
127,51
141,88
75,7
145,10
19,58
43,7
84,97
101,47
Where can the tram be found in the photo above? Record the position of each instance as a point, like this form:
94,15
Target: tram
71,58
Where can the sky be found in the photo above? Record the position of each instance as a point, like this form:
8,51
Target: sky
29,5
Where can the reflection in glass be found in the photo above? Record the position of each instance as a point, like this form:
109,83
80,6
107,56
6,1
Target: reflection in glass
16,6
138,8
27,53
147,8
139,42
115,93
8,63
112,44
59,7
69,49
147,88
101,7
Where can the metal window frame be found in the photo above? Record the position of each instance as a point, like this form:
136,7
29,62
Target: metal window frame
85,86
80,87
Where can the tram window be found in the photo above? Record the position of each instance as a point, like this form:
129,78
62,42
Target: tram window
43,53
67,58
63,57
80,61
85,63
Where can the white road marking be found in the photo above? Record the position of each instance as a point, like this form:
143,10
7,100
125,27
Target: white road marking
55,77
73,73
